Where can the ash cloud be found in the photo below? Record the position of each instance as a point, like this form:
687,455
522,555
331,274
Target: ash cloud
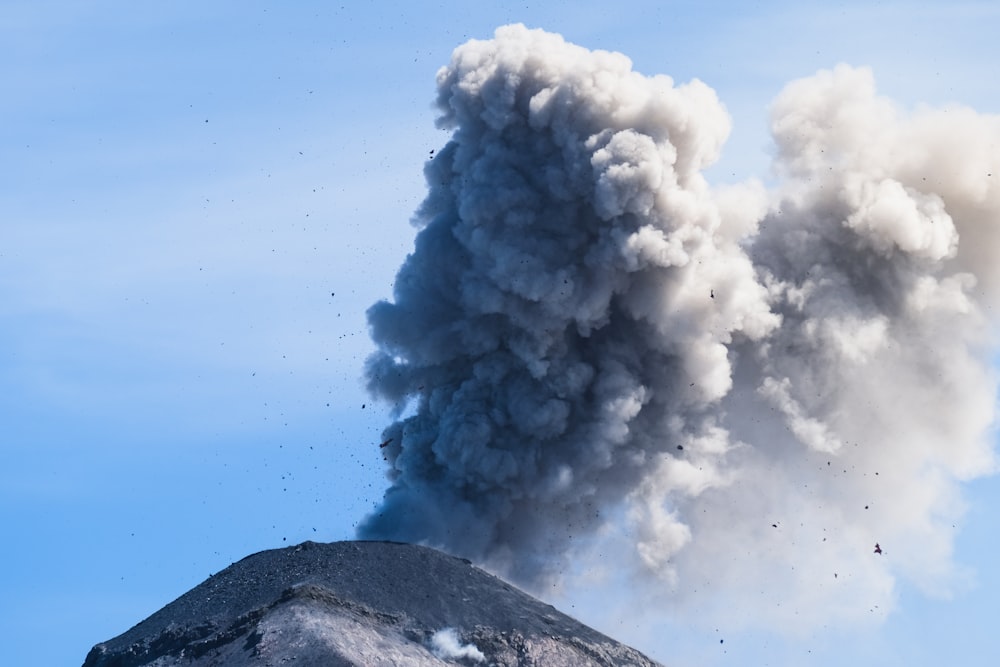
591,350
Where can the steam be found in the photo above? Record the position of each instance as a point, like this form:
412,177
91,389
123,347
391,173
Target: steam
591,349
445,644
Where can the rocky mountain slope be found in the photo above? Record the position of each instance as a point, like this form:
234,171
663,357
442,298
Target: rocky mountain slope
359,603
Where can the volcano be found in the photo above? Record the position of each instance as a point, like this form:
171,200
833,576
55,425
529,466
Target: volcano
359,603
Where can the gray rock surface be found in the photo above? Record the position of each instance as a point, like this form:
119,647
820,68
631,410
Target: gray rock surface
359,603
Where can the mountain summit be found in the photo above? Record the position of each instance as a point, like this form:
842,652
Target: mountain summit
359,603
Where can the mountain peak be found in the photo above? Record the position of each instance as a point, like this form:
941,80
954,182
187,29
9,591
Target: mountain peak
359,603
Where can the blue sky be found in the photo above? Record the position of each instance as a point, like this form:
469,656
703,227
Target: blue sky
199,202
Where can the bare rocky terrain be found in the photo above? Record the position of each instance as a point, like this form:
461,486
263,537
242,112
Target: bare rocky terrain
359,603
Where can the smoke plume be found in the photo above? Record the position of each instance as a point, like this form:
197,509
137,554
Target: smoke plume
447,645
592,350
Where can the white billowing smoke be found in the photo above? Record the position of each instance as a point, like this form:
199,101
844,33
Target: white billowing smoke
589,345
446,645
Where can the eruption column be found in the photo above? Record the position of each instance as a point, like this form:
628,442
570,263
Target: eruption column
589,344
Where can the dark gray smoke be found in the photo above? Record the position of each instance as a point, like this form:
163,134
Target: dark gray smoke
593,351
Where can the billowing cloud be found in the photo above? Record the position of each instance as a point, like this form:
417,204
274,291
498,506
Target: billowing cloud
741,389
